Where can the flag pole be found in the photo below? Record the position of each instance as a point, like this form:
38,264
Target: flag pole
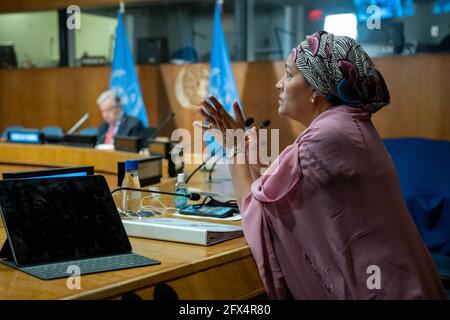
220,3
122,7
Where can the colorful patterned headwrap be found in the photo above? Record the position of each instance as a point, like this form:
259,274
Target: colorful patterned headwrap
341,71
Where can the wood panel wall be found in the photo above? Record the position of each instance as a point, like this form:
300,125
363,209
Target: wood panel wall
419,87
420,96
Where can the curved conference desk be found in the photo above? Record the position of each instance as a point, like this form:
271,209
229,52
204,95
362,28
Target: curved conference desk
222,271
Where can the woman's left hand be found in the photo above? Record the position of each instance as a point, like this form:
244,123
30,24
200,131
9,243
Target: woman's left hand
219,118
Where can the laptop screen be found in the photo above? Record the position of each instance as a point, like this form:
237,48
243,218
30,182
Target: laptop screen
49,220
50,173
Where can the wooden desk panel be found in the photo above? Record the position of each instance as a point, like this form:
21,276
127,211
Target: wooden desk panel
25,157
62,156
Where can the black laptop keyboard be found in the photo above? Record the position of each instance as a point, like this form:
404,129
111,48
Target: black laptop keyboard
86,266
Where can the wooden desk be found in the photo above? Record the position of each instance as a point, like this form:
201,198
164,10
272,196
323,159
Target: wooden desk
222,271
16,157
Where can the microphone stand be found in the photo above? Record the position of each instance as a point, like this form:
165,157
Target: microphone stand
78,124
161,126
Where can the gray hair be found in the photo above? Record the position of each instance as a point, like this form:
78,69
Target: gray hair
109,95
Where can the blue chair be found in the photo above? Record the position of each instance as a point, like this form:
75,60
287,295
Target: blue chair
54,132
423,167
5,132
443,265
88,131
188,54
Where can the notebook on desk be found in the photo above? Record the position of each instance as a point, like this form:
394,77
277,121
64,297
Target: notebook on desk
181,230
53,224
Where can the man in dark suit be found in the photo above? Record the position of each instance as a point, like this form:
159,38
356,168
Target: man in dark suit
115,121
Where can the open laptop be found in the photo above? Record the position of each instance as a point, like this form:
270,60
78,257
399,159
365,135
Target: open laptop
53,224
51,173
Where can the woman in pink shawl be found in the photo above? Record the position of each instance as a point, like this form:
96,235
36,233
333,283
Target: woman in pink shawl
329,220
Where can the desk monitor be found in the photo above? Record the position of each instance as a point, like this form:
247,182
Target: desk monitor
7,55
152,50
53,139
80,140
149,170
25,136
51,173
170,151
127,143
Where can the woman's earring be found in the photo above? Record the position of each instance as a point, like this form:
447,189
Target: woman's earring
313,100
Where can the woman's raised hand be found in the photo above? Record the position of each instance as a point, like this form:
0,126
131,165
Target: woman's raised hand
218,117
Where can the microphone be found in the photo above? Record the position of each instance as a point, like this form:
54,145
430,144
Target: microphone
162,125
191,196
78,124
264,124
248,122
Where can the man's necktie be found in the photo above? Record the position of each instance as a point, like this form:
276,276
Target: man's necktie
110,135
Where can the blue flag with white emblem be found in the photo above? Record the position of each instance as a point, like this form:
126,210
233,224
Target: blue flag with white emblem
124,79
221,78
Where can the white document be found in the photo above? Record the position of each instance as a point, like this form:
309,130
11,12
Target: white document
179,230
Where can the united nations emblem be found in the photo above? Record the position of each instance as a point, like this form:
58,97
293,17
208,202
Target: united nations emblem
191,85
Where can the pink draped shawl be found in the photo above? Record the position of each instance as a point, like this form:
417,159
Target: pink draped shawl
333,211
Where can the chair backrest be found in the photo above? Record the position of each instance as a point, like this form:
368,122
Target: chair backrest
186,54
148,132
53,131
89,131
5,132
442,264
